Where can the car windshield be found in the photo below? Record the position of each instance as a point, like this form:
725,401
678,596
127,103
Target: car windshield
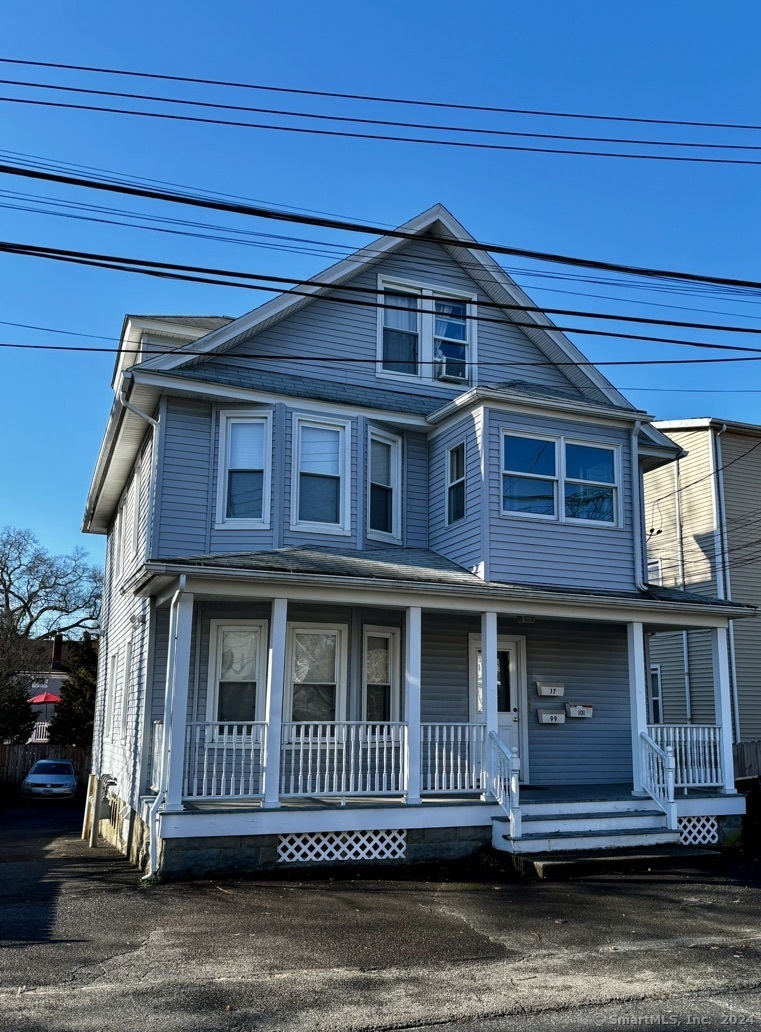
50,767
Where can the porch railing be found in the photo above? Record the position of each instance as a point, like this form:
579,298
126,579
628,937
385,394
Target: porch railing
697,753
40,731
504,768
452,758
343,758
658,776
157,753
224,759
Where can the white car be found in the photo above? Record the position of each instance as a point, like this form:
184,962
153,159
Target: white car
51,779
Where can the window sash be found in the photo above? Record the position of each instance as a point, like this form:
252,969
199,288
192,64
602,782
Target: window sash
383,483
320,483
456,483
315,692
380,674
243,479
236,671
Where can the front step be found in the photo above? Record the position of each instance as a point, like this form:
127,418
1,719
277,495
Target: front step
571,841
595,820
573,865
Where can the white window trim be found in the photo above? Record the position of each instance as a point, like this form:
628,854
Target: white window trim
112,679
396,484
451,483
343,527
215,658
342,633
655,668
126,679
136,497
560,480
119,540
426,357
394,654
226,417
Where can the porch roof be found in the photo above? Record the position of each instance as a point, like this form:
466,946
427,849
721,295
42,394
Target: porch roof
416,566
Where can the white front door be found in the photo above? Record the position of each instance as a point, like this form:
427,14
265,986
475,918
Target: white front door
511,693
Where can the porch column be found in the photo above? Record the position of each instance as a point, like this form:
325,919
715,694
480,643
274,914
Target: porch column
274,705
489,672
638,699
412,666
178,687
722,695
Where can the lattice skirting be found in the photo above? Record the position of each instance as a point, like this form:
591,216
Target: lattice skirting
332,846
699,831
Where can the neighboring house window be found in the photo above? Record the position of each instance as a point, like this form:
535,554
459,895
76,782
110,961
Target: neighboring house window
380,700
654,572
113,670
126,678
655,695
553,478
384,517
243,490
456,483
321,482
237,668
424,333
317,674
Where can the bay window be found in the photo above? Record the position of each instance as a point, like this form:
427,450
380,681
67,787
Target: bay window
456,483
384,491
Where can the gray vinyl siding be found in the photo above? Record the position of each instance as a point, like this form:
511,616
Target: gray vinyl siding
459,541
742,502
445,689
331,328
592,662
415,490
185,473
538,551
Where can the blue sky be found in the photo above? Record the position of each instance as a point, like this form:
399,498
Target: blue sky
649,59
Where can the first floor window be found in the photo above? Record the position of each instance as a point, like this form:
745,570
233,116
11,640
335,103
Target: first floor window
244,472
316,675
321,482
381,675
384,484
456,483
237,672
655,695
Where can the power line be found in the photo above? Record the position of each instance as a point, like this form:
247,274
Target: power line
374,99
479,130
355,227
380,137
708,476
199,274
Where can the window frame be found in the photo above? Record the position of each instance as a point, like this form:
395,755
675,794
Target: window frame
112,679
560,479
223,521
454,483
394,659
427,295
213,669
656,564
119,534
655,669
342,638
395,443
343,527
136,507
126,679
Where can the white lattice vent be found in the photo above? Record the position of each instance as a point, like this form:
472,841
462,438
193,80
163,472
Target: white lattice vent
699,831
332,846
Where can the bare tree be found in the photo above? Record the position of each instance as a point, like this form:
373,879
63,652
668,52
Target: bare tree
43,594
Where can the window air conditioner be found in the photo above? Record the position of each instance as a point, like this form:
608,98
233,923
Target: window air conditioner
454,373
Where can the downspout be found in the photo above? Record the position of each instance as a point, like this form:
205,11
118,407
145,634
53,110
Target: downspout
131,408
682,575
727,590
153,830
637,508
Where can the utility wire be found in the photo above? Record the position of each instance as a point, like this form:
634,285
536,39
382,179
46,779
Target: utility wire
381,137
373,99
355,227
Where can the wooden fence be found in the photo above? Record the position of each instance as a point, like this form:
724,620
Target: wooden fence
747,759
15,760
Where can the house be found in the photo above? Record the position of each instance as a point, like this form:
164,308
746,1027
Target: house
48,679
702,515
375,582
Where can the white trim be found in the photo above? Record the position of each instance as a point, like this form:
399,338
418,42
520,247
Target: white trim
222,520
136,508
216,627
112,678
345,443
426,313
118,563
126,679
394,656
395,443
560,479
516,645
453,483
341,631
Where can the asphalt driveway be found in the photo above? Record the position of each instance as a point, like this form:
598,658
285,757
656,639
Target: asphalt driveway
87,947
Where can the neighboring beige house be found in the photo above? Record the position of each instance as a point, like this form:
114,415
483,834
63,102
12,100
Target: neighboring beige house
703,521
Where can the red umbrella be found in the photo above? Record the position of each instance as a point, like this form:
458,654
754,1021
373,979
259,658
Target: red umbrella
45,697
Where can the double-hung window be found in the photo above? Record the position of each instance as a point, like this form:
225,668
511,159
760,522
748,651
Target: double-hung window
320,487
425,333
317,663
237,671
655,695
384,491
456,482
243,494
558,479
380,702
